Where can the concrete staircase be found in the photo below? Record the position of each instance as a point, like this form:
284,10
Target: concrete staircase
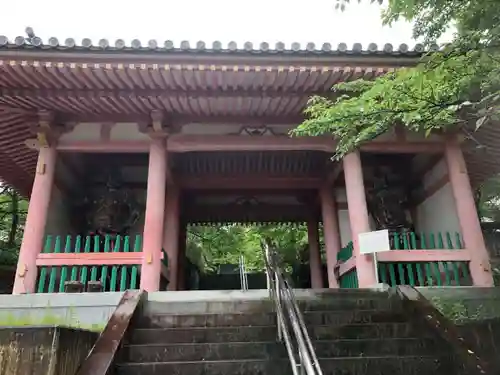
221,333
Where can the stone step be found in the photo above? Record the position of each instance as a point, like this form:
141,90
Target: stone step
334,318
268,333
202,335
349,304
346,303
410,365
367,331
233,302
270,350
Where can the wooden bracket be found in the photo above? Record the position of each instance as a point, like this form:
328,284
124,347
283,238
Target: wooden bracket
157,126
46,132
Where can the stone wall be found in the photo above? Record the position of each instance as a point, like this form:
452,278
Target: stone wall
43,350
77,310
476,311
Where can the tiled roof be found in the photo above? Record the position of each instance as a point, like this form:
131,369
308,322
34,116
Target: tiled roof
169,46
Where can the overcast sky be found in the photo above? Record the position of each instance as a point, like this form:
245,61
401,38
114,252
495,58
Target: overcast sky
224,20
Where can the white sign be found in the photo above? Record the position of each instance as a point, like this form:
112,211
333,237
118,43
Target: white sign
374,242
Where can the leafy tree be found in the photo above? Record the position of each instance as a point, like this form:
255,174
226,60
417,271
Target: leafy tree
13,209
449,89
489,200
210,246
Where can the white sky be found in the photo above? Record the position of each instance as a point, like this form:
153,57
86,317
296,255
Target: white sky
208,20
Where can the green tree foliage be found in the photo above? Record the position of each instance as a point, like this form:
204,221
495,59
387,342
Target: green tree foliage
488,200
449,89
13,209
210,246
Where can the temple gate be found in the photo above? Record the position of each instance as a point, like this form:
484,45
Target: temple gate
129,145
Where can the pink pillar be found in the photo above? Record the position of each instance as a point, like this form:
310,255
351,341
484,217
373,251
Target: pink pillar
314,254
154,215
34,229
480,266
358,217
331,233
171,236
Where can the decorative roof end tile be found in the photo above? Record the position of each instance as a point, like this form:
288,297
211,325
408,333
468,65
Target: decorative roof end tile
403,48
388,48
372,47
136,44
152,44
86,42
248,46
280,46
103,43
119,44
310,47
53,42
70,43
36,41
357,47
342,47
434,47
19,41
168,44
295,46
217,46
419,48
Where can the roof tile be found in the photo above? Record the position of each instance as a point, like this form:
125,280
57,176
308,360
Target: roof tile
21,42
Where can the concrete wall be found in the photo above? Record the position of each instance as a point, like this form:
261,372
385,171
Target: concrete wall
437,213
82,310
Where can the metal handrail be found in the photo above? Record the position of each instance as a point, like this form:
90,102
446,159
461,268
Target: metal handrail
243,274
285,302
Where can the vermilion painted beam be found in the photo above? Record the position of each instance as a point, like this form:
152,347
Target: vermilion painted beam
196,143
89,259
188,143
104,146
249,182
424,256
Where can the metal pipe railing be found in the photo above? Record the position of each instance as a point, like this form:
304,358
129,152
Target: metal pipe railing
287,311
243,274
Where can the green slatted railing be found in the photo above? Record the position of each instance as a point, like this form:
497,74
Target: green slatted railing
349,279
426,241
440,273
52,279
449,273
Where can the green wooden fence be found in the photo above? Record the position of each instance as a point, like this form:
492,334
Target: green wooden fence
349,279
52,279
449,273
453,273
426,241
